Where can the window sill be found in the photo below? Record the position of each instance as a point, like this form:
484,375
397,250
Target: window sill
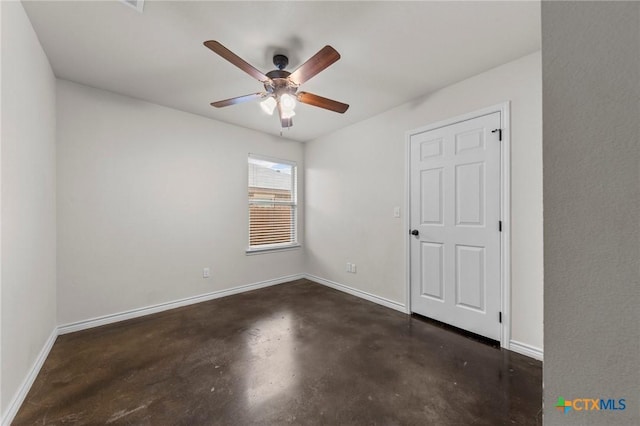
264,250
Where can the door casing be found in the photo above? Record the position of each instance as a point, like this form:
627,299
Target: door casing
505,208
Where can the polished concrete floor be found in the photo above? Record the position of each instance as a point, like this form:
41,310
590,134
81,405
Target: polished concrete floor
296,353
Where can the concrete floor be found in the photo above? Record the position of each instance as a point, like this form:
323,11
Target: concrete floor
296,353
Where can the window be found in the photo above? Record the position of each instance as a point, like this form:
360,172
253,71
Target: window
272,204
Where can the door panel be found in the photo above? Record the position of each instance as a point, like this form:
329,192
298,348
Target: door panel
470,140
432,148
470,283
455,206
433,272
431,197
470,194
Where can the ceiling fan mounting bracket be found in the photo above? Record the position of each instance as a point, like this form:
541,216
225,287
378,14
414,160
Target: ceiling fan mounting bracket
280,61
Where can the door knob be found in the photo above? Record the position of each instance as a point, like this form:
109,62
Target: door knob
415,232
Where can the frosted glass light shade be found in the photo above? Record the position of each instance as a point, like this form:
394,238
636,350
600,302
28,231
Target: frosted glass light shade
288,114
268,105
287,102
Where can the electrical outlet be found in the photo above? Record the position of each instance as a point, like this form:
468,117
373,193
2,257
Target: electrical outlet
206,272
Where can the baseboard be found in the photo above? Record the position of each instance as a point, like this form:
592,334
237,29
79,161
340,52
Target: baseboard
19,397
359,293
139,312
24,388
22,392
525,349
514,345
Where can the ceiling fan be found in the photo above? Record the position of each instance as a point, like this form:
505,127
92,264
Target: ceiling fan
281,87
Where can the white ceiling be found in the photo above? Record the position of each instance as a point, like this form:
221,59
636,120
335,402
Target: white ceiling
392,52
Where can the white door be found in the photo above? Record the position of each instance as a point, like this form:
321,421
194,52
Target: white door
455,209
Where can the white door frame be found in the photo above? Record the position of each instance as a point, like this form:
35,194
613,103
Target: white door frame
505,208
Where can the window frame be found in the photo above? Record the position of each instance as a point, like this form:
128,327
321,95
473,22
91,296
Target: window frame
266,248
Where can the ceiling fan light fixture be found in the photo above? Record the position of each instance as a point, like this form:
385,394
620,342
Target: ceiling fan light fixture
288,114
268,105
287,102
281,87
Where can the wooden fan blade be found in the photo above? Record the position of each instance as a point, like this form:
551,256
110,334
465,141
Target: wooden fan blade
321,60
319,101
237,100
235,60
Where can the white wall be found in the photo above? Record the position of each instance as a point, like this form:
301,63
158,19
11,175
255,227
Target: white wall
147,197
28,200
1,405
591,91
357,175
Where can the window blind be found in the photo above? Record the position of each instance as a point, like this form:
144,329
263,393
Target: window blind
272,203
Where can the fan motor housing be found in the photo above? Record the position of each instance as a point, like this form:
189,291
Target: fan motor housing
279,82
282,74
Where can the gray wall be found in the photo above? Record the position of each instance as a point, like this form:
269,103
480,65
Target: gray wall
347,178
144,205
591,79
28,202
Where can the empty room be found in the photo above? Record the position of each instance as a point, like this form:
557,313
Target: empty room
332,213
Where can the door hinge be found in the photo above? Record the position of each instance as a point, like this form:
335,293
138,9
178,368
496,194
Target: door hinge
500,226
500,317
499,133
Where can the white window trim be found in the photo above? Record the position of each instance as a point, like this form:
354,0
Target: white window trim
270,248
